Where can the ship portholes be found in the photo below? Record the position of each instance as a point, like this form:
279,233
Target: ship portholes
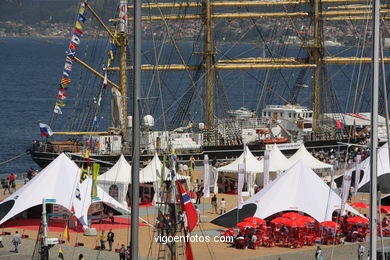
113,191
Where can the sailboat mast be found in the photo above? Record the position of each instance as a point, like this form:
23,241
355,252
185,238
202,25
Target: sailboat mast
316,57
122,40
374,128
209,70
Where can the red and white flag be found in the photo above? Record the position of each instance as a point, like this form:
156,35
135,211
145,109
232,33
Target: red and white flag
188,207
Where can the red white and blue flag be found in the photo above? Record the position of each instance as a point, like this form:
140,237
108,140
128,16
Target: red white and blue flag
45,130
188,207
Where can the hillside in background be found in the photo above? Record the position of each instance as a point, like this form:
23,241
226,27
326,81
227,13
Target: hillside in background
33,11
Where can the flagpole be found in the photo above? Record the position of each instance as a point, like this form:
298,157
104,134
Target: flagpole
374,128
136,126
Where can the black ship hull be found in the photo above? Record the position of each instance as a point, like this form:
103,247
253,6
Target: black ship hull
218,152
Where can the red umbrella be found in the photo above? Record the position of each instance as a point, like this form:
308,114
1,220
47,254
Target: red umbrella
246,224
307,219
357,220
291,215
255,220
280,220
330,224
295,223
359,205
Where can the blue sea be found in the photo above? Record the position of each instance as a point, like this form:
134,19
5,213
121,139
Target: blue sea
30,70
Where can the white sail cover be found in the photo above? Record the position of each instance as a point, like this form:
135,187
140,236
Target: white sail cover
304,155
252,165
297,189
58,183
119,173
277,161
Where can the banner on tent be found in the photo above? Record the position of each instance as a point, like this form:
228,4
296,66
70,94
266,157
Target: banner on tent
289,146
266,168
345,190
241,176
206,179
357,172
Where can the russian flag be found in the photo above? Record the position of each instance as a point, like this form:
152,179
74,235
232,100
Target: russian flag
45,130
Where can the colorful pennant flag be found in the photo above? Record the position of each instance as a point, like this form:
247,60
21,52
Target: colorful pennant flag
66,232
96,168
61,254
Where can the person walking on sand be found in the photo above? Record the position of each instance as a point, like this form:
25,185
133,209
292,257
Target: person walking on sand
318,254
222,206
361,250
110,239
122,253
16,240
103,239
214,204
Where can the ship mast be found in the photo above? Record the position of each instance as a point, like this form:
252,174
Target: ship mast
122,40
316,57
209,71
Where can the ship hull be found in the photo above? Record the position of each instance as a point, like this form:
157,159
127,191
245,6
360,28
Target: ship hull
218,152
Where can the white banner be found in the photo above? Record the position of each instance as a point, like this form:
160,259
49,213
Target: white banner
345,190
206,178
266,168
357,172
241,176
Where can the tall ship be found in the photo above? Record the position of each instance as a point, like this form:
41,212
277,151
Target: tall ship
215,75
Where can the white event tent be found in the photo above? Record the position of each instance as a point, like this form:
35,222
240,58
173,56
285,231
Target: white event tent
304,155
119,177
58,183
252,167
383,171
297,189
277,161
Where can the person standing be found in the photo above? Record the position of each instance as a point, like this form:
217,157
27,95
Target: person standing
103,239
122,253
222,205
361,250
318,254
12,185
110,239
214,204
16,240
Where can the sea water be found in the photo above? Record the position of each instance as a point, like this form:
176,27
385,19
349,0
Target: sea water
30,71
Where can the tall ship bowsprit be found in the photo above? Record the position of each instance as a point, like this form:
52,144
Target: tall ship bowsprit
280,61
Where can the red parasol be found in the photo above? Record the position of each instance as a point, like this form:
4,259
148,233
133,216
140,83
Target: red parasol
295,223
357,220
255,220
280,220
330,224
291,215
359,205
246,224
307,219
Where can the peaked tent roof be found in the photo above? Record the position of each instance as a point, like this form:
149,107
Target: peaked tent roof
119,173
59,182
252,164
304,155
297,189
152,172
277,161
383,170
